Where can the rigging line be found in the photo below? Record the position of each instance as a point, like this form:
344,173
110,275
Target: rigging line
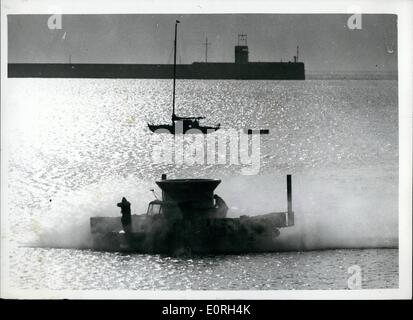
171,51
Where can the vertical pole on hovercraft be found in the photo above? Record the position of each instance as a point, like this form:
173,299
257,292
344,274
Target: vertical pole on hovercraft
290,212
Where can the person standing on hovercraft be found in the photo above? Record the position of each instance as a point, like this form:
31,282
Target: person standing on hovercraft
126,215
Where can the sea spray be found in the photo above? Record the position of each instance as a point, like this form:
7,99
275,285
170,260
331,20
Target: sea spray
340,209
66,223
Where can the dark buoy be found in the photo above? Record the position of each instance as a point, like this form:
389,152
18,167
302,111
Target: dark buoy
257,131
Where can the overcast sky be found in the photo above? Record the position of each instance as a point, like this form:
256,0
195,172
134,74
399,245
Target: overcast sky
325,41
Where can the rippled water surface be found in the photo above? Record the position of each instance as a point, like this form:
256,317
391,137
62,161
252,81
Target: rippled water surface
75,146
327,269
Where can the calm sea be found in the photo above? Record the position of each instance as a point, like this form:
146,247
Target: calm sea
74,147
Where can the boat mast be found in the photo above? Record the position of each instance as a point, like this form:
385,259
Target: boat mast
173,94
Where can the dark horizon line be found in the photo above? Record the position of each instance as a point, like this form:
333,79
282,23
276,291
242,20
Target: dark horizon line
308,71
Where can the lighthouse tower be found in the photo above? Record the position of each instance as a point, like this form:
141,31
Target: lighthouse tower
241,50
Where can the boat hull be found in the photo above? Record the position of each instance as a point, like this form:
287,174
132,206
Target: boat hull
205,236
171,129
135,242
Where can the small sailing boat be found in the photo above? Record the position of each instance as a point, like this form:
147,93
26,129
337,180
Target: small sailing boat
181,124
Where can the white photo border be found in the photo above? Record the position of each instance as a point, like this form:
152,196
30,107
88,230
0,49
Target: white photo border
404,11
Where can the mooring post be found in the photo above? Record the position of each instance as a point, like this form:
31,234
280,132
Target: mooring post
290,212
289,196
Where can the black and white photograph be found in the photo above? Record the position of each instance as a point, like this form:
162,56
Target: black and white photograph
205,151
